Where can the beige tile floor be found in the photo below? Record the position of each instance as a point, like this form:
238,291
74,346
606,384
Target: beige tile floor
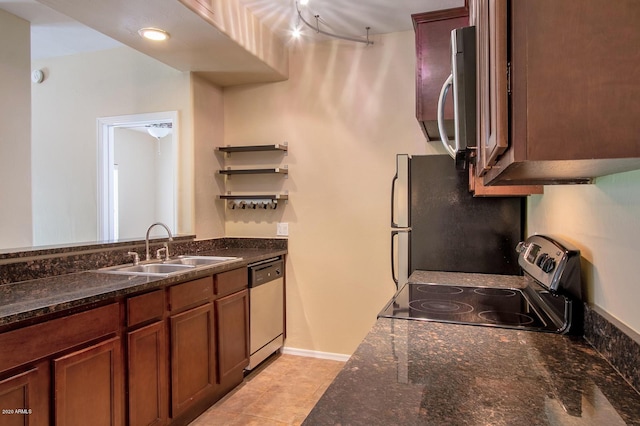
282,391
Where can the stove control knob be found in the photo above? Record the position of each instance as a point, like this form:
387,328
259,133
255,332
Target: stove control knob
541,259
548,264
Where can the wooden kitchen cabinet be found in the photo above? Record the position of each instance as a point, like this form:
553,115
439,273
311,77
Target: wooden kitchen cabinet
433,65
192,344
157,358
88,386
561,91
148,392
61,369
24,397
433,60
232,314
147,358
492,136
193,357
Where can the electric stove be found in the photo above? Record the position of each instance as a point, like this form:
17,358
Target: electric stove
549,302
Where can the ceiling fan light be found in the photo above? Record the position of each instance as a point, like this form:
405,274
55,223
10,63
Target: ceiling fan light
158,132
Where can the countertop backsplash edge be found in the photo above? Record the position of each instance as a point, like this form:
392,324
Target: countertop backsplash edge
617,347
64,261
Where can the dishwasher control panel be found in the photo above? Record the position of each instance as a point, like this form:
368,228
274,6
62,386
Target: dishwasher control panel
264,272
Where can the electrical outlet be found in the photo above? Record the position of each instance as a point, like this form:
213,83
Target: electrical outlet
282,229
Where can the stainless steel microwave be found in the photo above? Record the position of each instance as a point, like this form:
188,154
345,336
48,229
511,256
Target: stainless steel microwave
463,81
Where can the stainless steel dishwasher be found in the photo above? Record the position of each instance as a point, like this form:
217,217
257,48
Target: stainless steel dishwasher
266,309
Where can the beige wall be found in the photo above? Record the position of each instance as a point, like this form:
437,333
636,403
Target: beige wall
77,90
346,110
603,221
208,132
15,132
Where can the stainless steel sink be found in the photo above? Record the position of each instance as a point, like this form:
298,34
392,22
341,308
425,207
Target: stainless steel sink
166,268
155,268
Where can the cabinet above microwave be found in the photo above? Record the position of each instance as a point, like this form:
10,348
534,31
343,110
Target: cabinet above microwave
558,90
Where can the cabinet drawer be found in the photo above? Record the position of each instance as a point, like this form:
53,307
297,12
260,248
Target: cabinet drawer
190,293
145,307
28,344
231,281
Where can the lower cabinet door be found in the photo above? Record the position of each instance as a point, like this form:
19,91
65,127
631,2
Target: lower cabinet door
233,334
193,357
148,391
24,398
88,386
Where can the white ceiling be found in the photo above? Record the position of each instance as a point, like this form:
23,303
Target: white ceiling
345,17
56,34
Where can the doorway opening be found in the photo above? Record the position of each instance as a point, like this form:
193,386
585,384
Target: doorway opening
137,174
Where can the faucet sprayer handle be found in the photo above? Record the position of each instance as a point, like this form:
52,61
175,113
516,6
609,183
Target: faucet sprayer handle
136,257
164,249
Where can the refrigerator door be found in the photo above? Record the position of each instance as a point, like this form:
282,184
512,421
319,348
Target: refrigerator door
400,220
453,231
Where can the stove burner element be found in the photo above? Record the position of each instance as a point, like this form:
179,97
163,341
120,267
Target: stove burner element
438,289
507,318
486,291
441,306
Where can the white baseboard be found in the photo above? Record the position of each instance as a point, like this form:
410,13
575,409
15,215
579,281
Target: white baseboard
315,354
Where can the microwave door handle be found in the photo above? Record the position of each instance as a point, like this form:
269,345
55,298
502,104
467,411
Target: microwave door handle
443,133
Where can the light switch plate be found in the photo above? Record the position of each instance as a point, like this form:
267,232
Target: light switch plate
282,229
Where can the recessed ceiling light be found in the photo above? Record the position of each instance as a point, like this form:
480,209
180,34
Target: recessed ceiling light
154,34
304,2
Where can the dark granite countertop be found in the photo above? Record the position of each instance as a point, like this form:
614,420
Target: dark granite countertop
29,300
408,372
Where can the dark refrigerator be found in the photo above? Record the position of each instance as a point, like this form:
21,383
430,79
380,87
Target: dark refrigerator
438,225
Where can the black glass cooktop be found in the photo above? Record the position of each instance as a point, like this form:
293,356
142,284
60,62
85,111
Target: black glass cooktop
497,307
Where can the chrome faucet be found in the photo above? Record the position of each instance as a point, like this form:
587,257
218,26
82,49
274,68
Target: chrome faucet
148,257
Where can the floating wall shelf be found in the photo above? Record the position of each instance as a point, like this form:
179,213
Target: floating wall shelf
269,197
254,201
273,170
251,148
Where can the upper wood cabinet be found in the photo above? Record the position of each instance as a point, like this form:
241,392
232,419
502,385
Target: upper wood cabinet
433,65
560,92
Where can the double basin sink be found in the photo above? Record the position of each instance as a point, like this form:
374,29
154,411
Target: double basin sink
166,268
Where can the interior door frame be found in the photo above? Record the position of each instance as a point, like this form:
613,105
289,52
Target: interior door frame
105,157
